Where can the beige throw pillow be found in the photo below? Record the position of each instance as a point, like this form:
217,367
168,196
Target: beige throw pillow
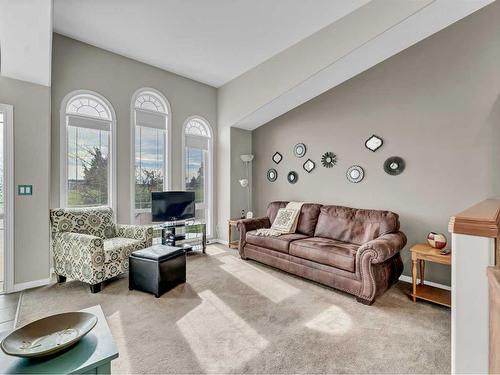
285,221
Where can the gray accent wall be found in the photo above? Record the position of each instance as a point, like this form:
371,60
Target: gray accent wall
436,104
31,104
77,65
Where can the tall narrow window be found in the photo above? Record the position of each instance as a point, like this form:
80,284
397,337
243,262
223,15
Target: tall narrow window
198,167
150,115
87,163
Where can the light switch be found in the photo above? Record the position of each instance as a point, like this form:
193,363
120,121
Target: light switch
24,189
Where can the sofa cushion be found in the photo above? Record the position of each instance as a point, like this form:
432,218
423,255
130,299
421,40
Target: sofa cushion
119,248
96,221
354,225
308,217
326,251
280,243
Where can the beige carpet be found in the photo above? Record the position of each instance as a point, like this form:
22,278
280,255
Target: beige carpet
237,316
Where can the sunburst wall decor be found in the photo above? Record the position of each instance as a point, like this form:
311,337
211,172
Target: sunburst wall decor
329,159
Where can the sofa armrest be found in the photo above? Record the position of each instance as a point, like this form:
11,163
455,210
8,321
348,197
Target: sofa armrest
384,247
247,225
136,232
79,256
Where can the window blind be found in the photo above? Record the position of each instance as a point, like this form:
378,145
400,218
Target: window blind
200,143
150,119
89,123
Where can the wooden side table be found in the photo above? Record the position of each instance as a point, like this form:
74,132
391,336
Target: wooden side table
232,223
419,254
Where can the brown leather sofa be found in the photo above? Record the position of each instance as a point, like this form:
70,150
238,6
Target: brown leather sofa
354,250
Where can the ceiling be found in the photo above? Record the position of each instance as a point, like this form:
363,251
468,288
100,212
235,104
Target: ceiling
211,41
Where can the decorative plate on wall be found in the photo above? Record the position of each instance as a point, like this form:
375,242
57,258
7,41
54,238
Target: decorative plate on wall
355,173
309,165
272,175
394,165
277,157
374,143
299,150
292,177
329,159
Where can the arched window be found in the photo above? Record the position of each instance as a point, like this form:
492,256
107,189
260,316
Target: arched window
150,115
197,167
87,150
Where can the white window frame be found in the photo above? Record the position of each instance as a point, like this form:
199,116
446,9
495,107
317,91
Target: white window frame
8,159
63,186
167,173
209,177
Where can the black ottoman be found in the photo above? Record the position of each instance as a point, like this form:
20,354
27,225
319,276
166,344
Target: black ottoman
157,269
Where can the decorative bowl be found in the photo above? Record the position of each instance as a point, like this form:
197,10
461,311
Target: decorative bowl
49,335
436,240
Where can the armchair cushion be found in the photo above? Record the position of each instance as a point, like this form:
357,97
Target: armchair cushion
119,248
96,221
142,233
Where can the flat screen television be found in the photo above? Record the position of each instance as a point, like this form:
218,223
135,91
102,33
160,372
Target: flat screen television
172,205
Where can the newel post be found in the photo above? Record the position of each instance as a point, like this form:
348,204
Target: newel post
475,247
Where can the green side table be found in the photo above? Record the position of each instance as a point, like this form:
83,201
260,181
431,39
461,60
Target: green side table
91,355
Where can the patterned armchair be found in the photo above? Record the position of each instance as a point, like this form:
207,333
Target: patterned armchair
89,247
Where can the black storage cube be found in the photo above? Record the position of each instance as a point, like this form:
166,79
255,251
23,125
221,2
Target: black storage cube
157,269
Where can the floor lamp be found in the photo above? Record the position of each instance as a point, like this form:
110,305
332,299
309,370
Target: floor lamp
245,182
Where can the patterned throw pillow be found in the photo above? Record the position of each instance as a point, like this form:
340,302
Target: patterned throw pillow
285,221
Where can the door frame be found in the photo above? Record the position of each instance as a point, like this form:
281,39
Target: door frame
8,157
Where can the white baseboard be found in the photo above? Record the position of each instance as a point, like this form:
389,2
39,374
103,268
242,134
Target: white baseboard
217,240
30,284
436,285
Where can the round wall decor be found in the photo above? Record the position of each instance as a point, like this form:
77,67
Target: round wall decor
329,159
355,173
394,165
299,150
272,175
292,177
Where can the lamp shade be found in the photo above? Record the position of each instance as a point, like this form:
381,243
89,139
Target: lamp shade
246,158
